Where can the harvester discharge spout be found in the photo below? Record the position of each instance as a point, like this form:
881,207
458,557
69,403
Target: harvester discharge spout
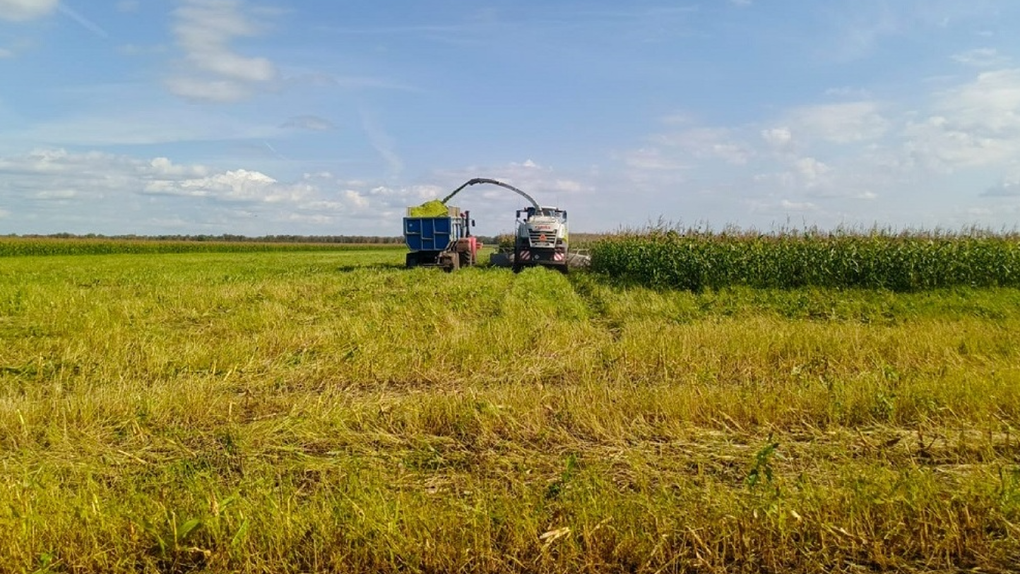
479,180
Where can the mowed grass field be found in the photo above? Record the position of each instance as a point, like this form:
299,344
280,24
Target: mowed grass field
331,411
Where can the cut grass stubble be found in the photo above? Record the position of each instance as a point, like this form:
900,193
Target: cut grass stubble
270,412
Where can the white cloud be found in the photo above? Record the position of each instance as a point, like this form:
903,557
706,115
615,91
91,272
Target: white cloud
778,137
811,171
211,70
653,159
841,123
5,53
48,162
356,198
163,167
55,194
834,156
107,193
1005,188
797,205
707,143
236,185
20,10
804,175
973,125
567,185
220,91
981,58
991,102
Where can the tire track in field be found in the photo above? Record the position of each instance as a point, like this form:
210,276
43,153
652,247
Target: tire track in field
592,294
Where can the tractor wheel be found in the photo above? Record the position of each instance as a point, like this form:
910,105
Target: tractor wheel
450,262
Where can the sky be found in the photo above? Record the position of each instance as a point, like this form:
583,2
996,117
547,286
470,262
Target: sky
315,117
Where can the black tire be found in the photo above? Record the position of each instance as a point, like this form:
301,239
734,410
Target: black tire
450,262
411,260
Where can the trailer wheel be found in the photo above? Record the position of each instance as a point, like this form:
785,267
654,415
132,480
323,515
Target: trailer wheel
411,260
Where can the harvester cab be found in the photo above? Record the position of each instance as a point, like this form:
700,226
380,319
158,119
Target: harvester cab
542,238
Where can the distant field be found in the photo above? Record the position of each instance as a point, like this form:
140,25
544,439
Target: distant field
20,247
330,410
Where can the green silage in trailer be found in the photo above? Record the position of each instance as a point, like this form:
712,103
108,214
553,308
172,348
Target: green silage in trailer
434,208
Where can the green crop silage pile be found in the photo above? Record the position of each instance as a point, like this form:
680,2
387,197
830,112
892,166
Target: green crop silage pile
434,208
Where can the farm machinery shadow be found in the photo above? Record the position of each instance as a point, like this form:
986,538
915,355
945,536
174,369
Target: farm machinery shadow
373,266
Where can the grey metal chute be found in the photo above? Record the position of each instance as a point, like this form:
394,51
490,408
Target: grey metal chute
478,180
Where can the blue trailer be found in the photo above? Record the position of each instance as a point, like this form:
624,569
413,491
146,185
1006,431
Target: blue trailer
444,241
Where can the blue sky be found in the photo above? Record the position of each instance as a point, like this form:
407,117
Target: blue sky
315,117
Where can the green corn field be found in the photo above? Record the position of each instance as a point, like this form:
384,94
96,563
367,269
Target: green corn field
909,261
